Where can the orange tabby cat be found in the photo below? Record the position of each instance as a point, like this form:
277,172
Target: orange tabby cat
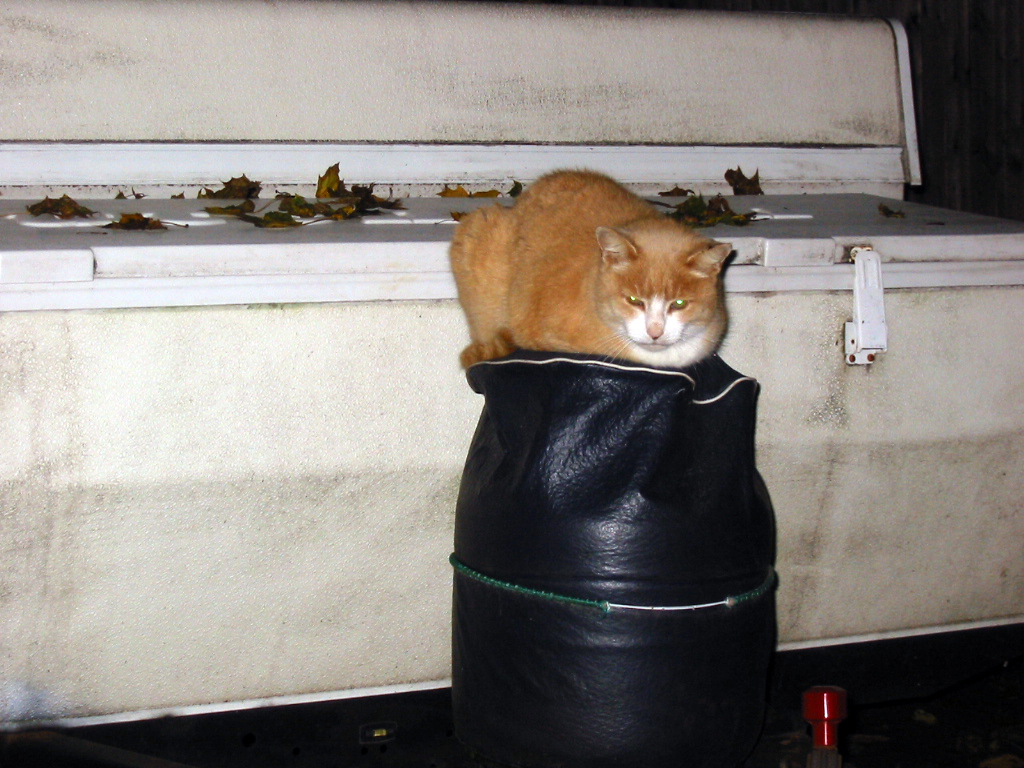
581,264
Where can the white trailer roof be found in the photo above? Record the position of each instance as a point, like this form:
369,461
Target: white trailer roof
800,242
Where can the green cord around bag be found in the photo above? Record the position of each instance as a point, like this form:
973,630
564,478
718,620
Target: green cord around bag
605,606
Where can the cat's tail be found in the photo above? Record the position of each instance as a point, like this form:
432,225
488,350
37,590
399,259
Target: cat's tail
480,256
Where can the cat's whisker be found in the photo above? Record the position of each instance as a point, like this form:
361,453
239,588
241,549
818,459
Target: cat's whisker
616,345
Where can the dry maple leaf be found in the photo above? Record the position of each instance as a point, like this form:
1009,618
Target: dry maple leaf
677,191
343,208
330,183
272,220
741,185
695,211
889,213
63,208
458,191
367,201
296,205
461,191
246,206
457,215
136,222
237,188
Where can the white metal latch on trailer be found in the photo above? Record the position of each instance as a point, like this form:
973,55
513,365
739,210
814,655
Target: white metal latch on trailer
867,335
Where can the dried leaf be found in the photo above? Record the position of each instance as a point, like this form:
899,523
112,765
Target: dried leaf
459,191
121,195
136,222
246,206
517,189
676,191
296,205
63,208
371,200
343,208
361,197
695,211
457,215
272,220
237,188
741,185
330,183
179,196
889,213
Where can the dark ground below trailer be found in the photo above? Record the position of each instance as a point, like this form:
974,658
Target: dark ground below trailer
978,724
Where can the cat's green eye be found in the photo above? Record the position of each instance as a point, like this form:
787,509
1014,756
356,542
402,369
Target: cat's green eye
636,302
679,303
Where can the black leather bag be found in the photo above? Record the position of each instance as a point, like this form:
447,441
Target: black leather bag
613,601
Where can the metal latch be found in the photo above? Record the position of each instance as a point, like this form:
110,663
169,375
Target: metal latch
867,335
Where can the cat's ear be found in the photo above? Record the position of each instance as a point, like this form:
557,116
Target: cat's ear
616,249
708,262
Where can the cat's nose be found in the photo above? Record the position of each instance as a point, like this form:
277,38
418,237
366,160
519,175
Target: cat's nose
655,331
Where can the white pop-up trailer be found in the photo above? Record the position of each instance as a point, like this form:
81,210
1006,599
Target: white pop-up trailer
229,456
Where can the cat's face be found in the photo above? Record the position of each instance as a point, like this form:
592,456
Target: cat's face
659,291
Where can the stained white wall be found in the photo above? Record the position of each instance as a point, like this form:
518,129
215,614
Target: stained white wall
222,504
304,70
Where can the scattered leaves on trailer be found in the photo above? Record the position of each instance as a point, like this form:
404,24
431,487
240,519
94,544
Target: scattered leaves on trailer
237,188
122,196
136,222
889,213
349,207
695,211
741,185
297,211
63,208
331,185
244,211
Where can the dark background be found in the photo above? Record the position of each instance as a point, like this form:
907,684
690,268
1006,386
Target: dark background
966,59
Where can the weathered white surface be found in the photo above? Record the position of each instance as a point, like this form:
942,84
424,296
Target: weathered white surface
242,70
214,505
799,244
896,486
222,504
100,169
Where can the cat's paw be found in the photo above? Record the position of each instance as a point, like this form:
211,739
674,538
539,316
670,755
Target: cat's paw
477,352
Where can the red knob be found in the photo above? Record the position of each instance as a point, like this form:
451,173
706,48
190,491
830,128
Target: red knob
824,709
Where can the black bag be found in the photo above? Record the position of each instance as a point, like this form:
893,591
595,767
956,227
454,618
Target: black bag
613,601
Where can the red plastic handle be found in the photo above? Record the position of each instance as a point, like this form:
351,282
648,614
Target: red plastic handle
824,709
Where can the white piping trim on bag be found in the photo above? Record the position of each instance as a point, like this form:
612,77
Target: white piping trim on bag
621,367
